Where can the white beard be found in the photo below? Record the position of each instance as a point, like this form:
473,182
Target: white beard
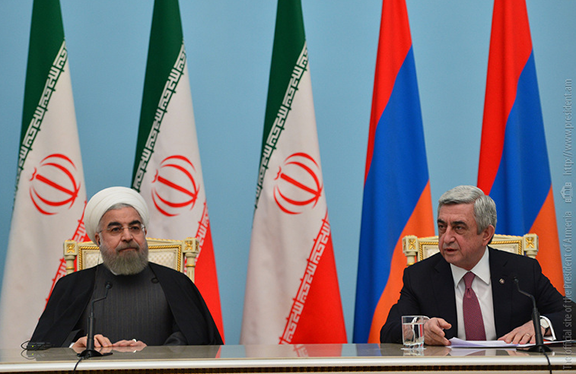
125,263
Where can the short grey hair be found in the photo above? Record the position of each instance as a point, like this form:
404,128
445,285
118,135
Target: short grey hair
484,206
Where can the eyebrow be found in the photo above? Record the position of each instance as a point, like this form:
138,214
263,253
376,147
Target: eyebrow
452,223
116,223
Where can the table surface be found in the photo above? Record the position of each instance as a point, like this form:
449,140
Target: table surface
291,358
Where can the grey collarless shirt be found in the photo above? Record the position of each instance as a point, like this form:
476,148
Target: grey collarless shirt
135,308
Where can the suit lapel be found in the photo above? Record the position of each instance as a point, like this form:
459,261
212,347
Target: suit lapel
502,292
443,288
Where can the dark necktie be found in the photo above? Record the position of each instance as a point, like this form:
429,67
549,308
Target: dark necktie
473,323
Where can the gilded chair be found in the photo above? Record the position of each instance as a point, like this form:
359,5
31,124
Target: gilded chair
176,254
417,249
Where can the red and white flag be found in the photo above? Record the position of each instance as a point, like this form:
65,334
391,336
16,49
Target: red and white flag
50,192
292,294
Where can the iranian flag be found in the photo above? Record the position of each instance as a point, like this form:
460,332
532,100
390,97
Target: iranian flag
292,294
50,193
167,170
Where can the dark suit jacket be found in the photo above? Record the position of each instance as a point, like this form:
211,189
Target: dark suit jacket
429,290
72,294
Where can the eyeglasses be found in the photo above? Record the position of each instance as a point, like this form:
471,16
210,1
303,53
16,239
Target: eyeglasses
134,229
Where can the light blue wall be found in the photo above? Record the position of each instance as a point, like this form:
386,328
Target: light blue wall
229,46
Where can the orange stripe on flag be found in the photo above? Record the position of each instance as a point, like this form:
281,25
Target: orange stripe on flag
420,224
549,246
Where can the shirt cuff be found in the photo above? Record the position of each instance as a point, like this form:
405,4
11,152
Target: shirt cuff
551,335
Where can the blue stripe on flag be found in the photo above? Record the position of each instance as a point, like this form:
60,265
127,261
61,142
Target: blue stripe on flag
397,177
523,179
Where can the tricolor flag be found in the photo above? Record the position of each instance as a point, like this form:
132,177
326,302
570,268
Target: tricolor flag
397,199
167,170
514,168
292,294
50,193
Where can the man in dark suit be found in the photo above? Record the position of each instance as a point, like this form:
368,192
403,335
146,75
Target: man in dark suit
438,288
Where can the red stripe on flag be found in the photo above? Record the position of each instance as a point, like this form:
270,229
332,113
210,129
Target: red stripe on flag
395,42
510,48
207,281
322,318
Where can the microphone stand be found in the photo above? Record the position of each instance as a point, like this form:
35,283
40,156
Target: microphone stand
90,351
539,347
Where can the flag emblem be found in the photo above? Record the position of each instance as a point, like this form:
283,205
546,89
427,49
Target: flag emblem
174,187
54,184
298,184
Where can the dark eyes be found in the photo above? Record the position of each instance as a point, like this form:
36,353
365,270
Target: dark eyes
135,229
459,229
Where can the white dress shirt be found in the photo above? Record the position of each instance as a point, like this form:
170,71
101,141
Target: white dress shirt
482,286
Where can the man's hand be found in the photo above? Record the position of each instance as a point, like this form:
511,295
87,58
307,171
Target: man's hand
104,345
100,341
521,335
135,345
434,332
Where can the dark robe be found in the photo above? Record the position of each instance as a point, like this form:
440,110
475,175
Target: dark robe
133,303
60,321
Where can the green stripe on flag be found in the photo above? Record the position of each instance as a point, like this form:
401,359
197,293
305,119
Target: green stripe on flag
281,116
47,56
141,164
31,130
164,52
287,59
46,38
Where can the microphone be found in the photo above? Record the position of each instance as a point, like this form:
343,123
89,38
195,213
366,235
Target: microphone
539,347
90,351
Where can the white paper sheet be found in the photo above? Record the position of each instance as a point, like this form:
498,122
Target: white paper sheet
459,343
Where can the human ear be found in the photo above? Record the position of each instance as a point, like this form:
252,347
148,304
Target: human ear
487,235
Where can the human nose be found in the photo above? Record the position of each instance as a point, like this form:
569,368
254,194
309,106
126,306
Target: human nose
448,236
127,234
